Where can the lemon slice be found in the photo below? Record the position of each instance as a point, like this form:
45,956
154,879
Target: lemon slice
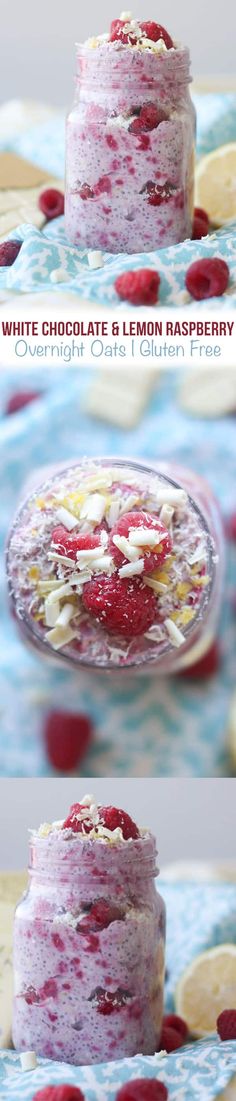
206,988
215,184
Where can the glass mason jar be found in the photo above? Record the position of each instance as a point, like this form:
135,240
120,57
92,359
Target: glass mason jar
128,191
83,996
88,644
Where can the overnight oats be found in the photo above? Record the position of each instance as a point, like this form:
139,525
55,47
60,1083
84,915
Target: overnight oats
89,940
115,565
130,141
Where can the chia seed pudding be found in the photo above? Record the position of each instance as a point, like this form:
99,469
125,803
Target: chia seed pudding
89,940
130,141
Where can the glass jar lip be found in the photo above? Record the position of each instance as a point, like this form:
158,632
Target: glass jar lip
175,63
191,630
83,49
77,855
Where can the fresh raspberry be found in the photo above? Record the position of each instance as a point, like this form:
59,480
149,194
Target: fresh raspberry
200,213
49,989
206,666
21,398
171,1020
118,34
152,558
207,278
124,605
103,186
226,1024
51,202
68,543
137,126
199,228
113,818
230,526
170,1040
31,996
144,142
155,31
67,1092
148,119
158,193
143,1089
85,191
74,823
100,916
67,738
8,253
138,287
108,1003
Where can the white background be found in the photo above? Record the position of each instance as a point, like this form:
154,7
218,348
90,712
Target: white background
37,39
190,818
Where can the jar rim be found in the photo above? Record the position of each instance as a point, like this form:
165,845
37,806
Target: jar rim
175,61
81,856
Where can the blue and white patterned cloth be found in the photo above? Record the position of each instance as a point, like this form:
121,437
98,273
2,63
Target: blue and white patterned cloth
42,252
198,1073
198,916
157,726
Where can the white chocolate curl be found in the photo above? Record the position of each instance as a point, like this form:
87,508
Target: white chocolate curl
28,1060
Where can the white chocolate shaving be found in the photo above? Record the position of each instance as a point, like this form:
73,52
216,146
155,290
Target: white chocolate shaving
55,557
105,562
129,503
176,636
65,615
156,47
45,829
154,633
197,556
51,611
145,537
132,568
88,556
60,636
64,590
88,800
59,275
94,508
166,514
48,586
168,495
123,544
67,518
114,513
81,579
126,16
28,1060
157,586
95,259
